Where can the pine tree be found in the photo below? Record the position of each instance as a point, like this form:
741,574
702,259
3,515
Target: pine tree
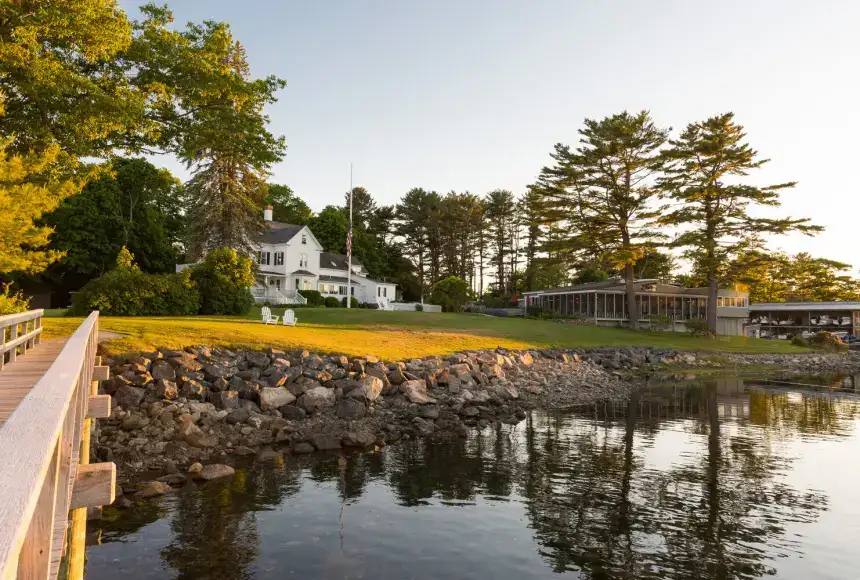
225,198
500,213
616,164
413,215
706,166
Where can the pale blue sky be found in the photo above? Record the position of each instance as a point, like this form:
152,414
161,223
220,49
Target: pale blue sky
472,94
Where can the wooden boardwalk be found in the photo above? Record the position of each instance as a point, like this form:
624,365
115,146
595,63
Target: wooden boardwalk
19,377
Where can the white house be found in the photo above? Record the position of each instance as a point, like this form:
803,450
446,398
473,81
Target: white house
290,259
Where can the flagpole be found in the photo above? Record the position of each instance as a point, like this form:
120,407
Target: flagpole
349,247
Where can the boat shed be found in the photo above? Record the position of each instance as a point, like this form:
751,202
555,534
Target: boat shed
784,320
605,303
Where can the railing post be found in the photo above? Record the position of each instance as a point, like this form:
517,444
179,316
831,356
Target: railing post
13,334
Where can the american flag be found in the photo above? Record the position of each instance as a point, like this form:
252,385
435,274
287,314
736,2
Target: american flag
349,243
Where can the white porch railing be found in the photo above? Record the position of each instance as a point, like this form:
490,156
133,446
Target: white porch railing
274,296
20,331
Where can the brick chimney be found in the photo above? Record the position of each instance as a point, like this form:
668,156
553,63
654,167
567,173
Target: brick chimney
267,213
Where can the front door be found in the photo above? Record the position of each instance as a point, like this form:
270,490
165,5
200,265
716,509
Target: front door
297,283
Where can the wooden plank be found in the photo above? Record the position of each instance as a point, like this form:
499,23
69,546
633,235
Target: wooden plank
95,485
26,452
17,378
98,407
35,558
101,373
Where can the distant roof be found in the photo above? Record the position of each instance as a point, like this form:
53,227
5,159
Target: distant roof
337,261
618,285
324,278
805,306
302,273
280,233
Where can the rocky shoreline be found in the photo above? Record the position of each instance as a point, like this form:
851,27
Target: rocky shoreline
175,410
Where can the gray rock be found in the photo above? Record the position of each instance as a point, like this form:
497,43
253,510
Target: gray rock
371,386
228,400
292,413
274,397
416,392
238,416
351,409
184,363
429,412
242,450
214,471
193,435
214,371
396,377
316,398
152,489
165,389
325,441
303,447
359,438
258,359
193,390
161,369
129,397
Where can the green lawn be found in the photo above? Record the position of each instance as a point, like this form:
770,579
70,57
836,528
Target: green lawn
392,335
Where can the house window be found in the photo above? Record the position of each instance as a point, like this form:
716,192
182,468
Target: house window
303,261
265,258
378,291
304,238
731,301
279,258
341,290
720,301
385,292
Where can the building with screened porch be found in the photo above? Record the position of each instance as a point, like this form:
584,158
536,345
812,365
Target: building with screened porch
605,303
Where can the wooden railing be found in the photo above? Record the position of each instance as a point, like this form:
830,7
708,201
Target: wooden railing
41,445
20,331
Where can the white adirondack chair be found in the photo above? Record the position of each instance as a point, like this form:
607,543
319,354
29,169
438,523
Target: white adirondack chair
268,317
290,318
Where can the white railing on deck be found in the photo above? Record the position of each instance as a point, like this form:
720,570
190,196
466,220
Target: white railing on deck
19,331
39,447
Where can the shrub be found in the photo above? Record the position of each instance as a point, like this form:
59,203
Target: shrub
451,293
419,308
798,340
223,281
827,341
11,303
331,302
698,327
313,297
496,312
130,292
660,321
474,307
353,302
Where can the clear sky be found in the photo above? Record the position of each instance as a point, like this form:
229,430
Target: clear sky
471,95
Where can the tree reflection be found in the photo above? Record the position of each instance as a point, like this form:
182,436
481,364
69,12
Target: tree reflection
599,491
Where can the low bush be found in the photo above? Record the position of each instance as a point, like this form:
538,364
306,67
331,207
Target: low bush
698,327
353,303
660,321
313,297
798,340
419,308
828,342
332,302
130,292
223,280
10,302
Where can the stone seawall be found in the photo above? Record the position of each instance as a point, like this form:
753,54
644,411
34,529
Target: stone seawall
176,409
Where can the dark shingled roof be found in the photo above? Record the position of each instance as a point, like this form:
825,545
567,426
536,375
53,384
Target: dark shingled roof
279,233
324,278
302,273
336,261
618,285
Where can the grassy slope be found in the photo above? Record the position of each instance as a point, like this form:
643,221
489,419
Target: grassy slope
392,335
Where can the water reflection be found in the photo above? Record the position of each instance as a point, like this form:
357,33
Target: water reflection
702,481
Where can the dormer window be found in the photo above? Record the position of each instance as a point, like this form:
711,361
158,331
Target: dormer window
304,239
303,261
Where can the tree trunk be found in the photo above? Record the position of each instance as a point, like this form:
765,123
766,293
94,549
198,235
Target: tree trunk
712,302
632,310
